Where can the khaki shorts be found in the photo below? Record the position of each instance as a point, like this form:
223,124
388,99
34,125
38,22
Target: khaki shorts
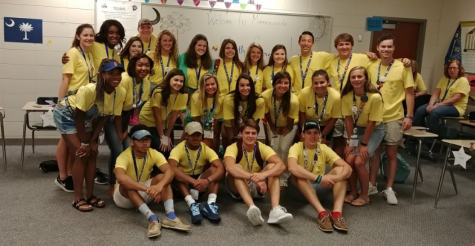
393,132
340,128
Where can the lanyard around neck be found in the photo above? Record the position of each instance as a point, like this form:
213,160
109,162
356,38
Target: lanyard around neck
356,111
304,75
139,177
249,167
148,49
88,64
276,112
232,71
305,156
448,87
137,101
164,70
193,167
380,81
107,51
342,78
166,107
325,99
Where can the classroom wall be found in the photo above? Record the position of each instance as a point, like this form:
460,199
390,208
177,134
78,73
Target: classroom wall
28,71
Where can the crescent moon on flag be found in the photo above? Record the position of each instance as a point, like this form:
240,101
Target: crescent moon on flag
11,24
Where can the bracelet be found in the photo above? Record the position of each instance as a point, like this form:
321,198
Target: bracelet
319,179
364,144
209,182
84,143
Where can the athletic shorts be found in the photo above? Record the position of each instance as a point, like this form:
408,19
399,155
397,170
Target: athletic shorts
252,187
123,202
295,194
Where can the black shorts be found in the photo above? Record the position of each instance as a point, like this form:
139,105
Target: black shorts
329,136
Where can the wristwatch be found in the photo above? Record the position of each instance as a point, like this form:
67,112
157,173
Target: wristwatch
410,117
363,144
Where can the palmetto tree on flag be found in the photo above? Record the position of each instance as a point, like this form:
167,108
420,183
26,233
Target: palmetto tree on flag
26,28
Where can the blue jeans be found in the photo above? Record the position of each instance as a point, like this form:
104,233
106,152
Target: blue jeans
115,146
434,116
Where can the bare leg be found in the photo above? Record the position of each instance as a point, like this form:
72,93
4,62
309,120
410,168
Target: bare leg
391,151
240,186
62,158
79,168
339,146
339,190
217,135
352,180
362,175
307,190
375,163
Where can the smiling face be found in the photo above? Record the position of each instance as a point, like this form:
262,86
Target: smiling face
86,38
145,31
282,86
311,137
176,82
166,42
279,57
386,48
306,42
357,79
194,140
113,77
344,48
142,67
229,51
211,86
200,47
244,87
255,55
319,84
249,135
135,48
113,36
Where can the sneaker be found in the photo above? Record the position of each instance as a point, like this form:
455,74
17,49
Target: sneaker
324,224
69,183
154,229
210,211
279,215
176,224
254,215
62,183
101,178
196,217
390,196
339,223
372,189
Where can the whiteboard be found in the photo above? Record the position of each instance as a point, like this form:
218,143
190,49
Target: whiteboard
127,13
267,29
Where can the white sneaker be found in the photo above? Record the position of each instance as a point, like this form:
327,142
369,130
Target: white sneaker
372,189
279,215
254,215
390,196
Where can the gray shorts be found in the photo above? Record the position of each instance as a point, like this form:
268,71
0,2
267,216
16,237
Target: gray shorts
295,194
340,128
252,188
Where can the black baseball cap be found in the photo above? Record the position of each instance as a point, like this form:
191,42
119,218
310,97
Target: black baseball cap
311,125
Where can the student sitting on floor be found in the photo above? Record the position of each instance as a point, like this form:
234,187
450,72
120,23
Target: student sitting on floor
248,178
134,186
306,162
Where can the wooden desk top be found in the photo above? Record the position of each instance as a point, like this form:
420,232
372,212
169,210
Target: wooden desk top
467,122
418,128
461,143
43,108
419,134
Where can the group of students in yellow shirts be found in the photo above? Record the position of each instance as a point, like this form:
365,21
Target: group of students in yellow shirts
138,94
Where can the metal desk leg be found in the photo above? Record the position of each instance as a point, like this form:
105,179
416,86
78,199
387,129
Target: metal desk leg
24,140
441,181
453,178
417,170
3,143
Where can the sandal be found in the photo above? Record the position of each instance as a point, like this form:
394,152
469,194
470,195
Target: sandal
79,204
349,201
98,203
360,202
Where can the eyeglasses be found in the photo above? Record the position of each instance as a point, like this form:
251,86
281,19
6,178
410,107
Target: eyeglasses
144,140
453,68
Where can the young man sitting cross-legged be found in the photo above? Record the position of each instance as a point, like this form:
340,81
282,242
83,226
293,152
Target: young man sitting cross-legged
306,162
247,177
188,160
134,186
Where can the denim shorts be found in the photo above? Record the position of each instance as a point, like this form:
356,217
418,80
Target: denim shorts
64,120
374,141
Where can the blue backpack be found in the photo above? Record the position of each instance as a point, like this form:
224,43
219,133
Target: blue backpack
402,172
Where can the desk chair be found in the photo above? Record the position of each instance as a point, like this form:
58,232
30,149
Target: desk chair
39,126
443,132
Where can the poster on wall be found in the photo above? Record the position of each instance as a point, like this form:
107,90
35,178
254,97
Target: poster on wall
468,46
127,13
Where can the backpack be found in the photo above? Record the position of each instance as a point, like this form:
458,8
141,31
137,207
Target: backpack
49,166
259,159
402,172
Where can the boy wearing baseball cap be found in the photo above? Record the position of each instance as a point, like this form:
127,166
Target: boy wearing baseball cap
134,186
190,161
145,29
309,182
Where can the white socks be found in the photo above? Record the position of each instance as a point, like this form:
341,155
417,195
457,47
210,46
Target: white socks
189,200
212,198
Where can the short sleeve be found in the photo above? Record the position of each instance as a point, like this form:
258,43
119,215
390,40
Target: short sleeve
210,154
376,113
228,108
462,87
231,151
441,83
330,156
181,102
122,161
326,59
260,109
336,108
119,104
345,106
294,151
176,154
84,98
156,100
421,86
266,151
71,65
408,78
158,159
195,104
302,101
219,109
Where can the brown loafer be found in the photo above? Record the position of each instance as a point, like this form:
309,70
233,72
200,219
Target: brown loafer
324,224
339,223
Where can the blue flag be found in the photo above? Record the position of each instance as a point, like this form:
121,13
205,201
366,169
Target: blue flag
455,48
23,30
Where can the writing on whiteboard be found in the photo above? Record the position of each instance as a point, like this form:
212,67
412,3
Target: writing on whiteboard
218,19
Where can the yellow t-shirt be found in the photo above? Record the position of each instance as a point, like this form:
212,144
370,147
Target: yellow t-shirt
282,120
356,60
228,108
320,60
419,84
207,155
142,89
197,108
152,43
86,97
259,83
124,62
233,74
156,73
175,102
460,86
266,153
268,75
372,110
152,158
99,52
191,79
326,156
393,91
307,99
79,67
